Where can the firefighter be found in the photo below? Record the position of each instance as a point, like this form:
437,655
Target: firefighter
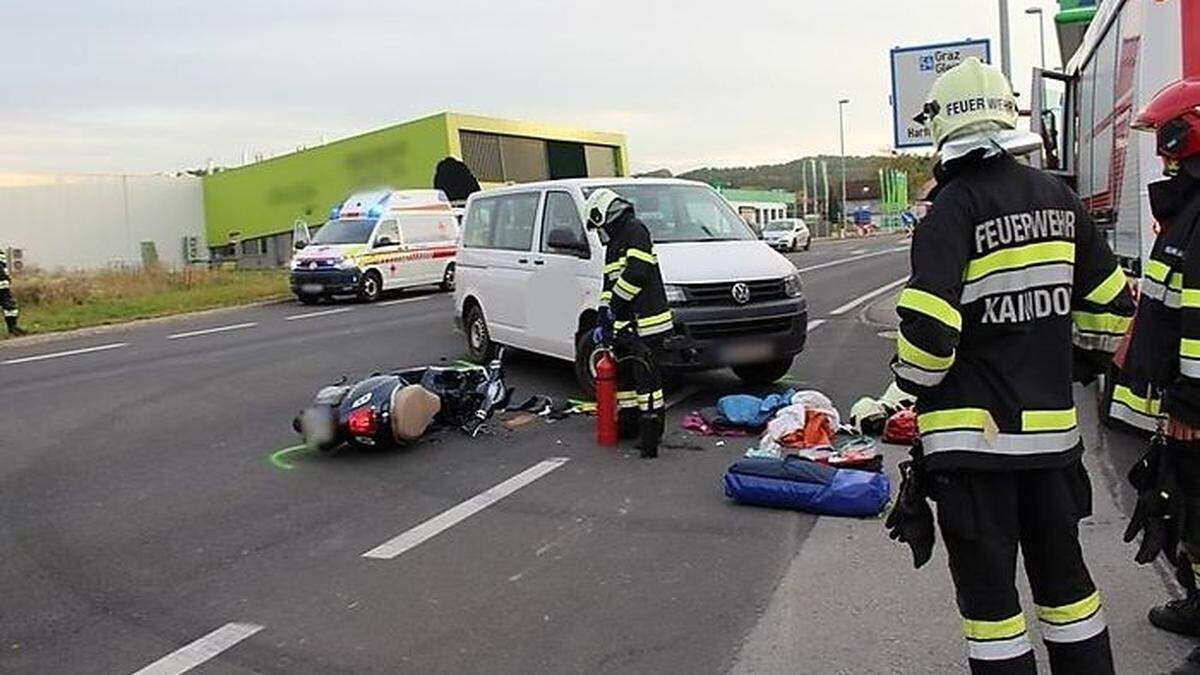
8,302
1009,278
633,316
1158,387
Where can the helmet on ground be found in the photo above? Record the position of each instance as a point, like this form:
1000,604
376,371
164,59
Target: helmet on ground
604,206
969,95
868,416
1174,116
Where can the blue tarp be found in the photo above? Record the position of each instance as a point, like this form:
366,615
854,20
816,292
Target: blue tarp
795,483
745,410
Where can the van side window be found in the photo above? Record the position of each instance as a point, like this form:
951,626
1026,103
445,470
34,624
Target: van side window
514,221
428,228
477,230
389,230
561,215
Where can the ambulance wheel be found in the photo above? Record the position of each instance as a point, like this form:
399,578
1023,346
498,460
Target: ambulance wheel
448,278
480,347
584,346
763,373
371,286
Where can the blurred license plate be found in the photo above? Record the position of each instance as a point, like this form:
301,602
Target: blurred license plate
753,352
312,288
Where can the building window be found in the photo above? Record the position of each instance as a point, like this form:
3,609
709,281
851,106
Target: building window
254,247
495,158
481,154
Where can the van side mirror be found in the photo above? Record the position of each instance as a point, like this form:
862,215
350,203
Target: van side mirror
384,241
299,244
565,240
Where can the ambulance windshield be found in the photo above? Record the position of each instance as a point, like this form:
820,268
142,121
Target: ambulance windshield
344,232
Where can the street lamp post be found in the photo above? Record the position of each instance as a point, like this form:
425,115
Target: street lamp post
842,136
1005,58
1041,31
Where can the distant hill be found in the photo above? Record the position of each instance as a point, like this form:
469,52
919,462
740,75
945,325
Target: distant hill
787,176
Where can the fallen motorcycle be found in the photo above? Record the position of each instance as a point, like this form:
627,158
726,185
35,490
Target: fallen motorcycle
398,407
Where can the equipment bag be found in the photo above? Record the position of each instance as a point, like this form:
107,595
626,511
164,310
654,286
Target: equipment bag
796,483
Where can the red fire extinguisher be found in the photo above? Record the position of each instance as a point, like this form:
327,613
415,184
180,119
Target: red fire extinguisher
606,399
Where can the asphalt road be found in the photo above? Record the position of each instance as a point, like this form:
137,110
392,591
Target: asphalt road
145,524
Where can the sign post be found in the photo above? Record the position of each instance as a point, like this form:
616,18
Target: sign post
913,71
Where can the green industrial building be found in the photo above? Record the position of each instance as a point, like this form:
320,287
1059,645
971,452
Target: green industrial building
250,210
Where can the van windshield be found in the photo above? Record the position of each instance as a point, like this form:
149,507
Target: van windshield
679,213
344,232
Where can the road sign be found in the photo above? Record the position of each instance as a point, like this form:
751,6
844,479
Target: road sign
913,71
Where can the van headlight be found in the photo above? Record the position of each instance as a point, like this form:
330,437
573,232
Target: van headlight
792,286
347,264
296,263
675,294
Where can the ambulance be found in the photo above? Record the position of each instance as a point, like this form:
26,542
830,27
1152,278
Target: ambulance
377,241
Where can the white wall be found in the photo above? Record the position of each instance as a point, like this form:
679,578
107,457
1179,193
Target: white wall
96,221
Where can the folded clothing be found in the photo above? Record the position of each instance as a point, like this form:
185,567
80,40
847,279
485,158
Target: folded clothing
751,411
795,483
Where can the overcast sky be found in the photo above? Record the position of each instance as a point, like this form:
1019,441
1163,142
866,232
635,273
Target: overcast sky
123,86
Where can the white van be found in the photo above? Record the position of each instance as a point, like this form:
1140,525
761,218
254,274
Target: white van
377,241
529,276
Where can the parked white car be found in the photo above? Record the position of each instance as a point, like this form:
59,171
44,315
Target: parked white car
787,234
529,276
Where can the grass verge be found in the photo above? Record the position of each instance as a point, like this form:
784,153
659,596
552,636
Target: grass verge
63,301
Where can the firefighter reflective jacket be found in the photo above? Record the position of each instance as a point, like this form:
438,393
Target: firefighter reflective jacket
633,284
5,282
1161,372
1009,275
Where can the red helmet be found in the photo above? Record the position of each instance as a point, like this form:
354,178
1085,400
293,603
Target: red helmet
1174,116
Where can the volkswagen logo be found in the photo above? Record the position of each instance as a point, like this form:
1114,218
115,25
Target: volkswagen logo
312,265
741,293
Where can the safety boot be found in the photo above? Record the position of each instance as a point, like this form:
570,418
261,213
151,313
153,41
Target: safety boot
1179,616
13,329
1190,665
651,431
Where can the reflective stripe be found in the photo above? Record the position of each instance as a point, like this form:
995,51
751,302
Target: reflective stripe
1097,342
1018,280
932,306
1189,348
12,313
1000,444
651,401
4,284
625,290
657,319
1108,289
1156,291
605,297
1021,256
655,330
627,399
1190,297
919,357
1074,611
1048,420
1103,322
999,650
955,418
1189,367
1147,405
637,254
1074,632
1011,627
614,266
915,375
1157,270
618,325
1176,282
1133,418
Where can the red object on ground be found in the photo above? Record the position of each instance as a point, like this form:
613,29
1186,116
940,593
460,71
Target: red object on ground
818,432
901,428
606,400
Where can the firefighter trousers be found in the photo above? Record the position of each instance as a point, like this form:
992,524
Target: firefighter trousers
639,381
1187,462
987,516
8,304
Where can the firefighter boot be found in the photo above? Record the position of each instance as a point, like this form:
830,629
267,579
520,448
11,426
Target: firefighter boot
1190,665
1179,616
13,329
651,431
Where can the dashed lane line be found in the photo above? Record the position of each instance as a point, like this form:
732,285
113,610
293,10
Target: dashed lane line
210,331
868,296
324,312
447,519
844,261
401,301
202,650
72,352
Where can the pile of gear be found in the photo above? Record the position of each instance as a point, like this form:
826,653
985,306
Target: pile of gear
890,416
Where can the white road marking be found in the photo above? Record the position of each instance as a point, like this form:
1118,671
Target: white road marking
447,519
858,251
324,312
814,324
401,301
209,331
867,296
843,261
73,352
206,648
680,396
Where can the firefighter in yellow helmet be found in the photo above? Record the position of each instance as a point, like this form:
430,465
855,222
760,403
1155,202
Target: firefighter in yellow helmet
1013,294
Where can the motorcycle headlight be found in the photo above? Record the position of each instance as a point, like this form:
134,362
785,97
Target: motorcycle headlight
347,264
792,286
675,294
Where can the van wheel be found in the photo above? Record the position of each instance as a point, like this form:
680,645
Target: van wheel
308,299
584,346
371,287
808,243
480,347
760,374
448,278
